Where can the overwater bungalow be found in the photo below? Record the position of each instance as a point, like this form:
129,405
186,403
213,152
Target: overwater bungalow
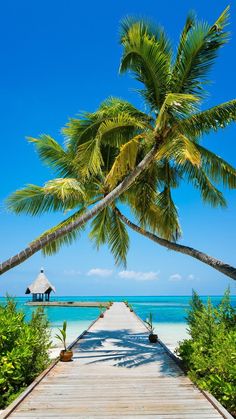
40,288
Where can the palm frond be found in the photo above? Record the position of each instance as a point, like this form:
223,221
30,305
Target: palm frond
118,240
147,54
198,177
112,129
119,129
190,21
33,200
113,106
216,168
67,239
66,189
101,226
108,229
89,158
180,149
169,226
56,195
145,27
197,54
124,162
53,154
212,119
175,103
142,194
79,131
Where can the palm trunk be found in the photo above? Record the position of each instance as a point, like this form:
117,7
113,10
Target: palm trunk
186,250
40,243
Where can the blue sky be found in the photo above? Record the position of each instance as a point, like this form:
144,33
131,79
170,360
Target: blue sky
61,57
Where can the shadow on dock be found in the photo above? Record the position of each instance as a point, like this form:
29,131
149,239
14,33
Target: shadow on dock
124,348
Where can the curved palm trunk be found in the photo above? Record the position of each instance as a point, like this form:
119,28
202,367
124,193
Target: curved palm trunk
40,243
186,250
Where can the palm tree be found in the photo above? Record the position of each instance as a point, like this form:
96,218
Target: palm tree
186,250
122,154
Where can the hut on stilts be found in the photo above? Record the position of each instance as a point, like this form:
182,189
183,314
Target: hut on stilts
40,288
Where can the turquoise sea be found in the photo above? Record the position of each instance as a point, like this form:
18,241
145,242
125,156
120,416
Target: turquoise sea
168,312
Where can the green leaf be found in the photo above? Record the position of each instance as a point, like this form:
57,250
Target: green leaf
200,180
33,200
118,240
197,52
79,131
177,103
67,239
124,162
170,228
67,190
53,154
101,226
216,168
180,149
89,158
147,54
55,195
212,119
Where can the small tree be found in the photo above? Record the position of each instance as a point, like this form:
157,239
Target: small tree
23,349
62,335
149,323
209,355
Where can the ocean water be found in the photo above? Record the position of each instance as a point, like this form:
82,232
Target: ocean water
169,314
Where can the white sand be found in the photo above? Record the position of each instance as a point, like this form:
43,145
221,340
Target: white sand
74,329
169,333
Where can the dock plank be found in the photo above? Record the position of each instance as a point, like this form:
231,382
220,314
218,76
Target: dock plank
116,372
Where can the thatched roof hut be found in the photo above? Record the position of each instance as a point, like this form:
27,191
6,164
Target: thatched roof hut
40,288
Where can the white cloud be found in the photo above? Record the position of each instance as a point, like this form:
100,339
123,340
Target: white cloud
190,277
139,276
175,277
99,272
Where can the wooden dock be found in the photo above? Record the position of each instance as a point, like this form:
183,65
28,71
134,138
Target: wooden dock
68,303
116,373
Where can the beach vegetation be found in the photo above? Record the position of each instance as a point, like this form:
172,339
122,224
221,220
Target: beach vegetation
61,336
24,349
101,311
209,354
149,323
120,155
65,354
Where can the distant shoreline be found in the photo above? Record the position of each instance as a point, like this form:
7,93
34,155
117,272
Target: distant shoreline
123,296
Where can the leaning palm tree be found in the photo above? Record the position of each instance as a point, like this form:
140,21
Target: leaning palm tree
120,154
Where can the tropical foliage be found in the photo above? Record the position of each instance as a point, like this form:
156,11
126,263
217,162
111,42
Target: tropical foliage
209,354
61,336
103,147
23,350
149,323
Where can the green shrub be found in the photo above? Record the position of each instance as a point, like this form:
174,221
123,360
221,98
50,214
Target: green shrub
23,350
210,353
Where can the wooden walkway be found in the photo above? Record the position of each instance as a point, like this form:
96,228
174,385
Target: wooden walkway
116,373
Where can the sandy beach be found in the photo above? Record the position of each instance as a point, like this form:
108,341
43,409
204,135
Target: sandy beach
169,333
